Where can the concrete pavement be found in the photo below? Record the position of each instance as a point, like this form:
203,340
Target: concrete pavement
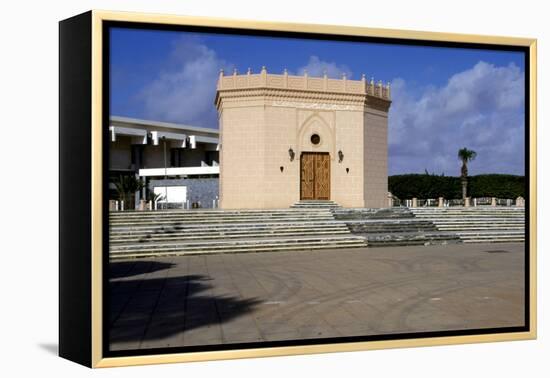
271,296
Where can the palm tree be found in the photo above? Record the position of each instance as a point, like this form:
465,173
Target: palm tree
154,197
465,155
127,185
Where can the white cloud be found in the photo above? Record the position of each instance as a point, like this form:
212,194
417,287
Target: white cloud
185,92
317,67
480,108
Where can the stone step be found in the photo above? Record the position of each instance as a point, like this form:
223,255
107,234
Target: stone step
385,212
469,213
496,226
497,240
239,241
315,204
219,220
481,239
390,224
492,236
201,227
416,238
301,247
475,221
480,227
228,231
369,217
390,231
469,208
231,225
492,232
316,201
224,235
188,226
390,227
483,211
473,215
207,211
239,245
226,216
215,214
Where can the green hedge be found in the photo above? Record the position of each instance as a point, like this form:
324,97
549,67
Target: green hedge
433,186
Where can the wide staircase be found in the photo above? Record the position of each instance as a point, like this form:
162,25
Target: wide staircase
393,227
180,232
478,224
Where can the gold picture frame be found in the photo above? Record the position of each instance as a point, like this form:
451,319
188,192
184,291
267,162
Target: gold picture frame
82,254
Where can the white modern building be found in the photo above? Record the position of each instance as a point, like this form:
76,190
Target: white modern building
180,162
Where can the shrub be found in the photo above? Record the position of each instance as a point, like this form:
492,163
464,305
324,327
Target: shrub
449,187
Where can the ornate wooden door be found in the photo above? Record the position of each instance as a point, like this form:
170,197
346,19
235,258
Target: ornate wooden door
315,176
307,176
322,177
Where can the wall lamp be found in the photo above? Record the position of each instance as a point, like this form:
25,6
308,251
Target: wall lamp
340,156
291,154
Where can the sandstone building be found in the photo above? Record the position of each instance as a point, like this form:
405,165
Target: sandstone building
286,138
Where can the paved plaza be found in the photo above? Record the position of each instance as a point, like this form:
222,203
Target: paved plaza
272,296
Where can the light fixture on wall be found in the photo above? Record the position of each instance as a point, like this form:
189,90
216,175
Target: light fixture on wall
291,153
340,156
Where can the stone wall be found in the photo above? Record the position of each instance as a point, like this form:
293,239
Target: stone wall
204,190
375,144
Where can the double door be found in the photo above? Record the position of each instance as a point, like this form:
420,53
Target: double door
315,176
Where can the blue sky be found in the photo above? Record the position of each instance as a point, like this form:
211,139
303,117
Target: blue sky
443,98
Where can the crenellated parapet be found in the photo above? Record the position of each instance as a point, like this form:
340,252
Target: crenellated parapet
303,83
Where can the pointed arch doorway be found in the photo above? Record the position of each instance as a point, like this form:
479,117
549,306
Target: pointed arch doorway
315,176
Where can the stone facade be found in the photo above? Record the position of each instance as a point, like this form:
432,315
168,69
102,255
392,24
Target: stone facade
203,190
267,122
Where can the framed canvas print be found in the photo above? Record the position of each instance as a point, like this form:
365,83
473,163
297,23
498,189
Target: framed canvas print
234,189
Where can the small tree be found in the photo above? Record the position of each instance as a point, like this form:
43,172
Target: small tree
126,186
465,155
154,197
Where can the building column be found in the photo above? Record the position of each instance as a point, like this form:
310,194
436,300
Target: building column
144,190
520,202
137,196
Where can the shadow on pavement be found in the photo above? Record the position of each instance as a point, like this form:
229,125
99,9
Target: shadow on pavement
162,307
121,269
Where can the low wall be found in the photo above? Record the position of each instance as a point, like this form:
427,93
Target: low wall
203,190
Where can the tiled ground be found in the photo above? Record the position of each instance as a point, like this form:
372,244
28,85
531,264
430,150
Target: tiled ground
247,297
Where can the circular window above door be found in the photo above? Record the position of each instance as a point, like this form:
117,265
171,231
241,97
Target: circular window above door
315,139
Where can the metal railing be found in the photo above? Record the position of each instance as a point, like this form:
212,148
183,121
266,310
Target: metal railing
468,202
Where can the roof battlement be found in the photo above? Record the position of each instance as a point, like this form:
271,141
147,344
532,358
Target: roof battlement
304,82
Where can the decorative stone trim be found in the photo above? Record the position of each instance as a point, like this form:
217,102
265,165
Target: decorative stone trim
303,99
303,87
